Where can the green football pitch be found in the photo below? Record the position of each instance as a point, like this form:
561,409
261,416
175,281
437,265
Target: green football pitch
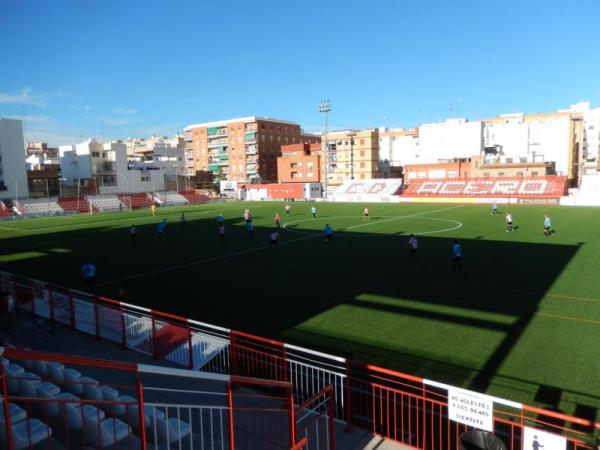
521,321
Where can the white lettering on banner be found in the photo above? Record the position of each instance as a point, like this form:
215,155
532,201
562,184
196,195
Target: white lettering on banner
470,408
506,187
533,187
541,440
353,188
376,188
478,187
452,187
429,187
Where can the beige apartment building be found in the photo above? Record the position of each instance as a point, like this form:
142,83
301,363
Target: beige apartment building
353,154
243,149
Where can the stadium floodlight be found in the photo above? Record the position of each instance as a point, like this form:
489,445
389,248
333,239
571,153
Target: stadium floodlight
324,107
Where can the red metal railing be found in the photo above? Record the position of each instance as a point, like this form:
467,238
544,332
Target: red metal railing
75,412
395,405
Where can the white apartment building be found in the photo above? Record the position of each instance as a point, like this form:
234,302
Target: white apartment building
13,170
445,141
398,146
105,167
591,129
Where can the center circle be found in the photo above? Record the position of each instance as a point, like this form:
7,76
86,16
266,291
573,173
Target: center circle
451,225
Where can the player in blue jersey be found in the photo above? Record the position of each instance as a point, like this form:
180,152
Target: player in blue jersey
456,256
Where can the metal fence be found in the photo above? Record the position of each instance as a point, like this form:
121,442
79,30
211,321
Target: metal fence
397,406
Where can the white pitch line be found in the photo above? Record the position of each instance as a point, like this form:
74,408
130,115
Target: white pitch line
23,230
201,261
254,249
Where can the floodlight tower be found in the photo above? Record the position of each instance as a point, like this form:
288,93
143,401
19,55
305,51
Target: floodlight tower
324,108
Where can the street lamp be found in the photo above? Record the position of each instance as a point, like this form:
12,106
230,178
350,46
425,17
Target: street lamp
324,108
351,135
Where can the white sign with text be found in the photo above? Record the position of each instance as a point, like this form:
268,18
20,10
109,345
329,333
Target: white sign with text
470,408
540,440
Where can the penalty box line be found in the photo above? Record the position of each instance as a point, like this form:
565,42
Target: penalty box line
255,249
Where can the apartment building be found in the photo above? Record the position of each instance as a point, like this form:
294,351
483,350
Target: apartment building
351,155
398,146
242,149
13,170
299,163
102,168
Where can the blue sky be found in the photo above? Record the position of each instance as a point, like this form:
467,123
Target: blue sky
75,69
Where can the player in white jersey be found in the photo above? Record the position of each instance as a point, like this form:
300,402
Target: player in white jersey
366,214
313,211
288,209
509,222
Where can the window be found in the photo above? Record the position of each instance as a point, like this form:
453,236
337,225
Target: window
534,174
96,154
362,142
145,178
362,153
486,174
362,165
519,174
500,174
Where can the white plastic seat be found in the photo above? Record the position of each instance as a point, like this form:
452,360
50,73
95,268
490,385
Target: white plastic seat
70,412
47,390
13,373
132,413
71,381
101,432
90,388
40,367
55,372
171,429
29,432
27,384
112,395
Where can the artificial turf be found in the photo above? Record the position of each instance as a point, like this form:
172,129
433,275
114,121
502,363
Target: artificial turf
521,321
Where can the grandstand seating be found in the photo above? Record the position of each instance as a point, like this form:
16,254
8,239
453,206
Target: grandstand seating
135,201
515,187
589,191
172,198
40,207
377,190
195,198
105,202
74,204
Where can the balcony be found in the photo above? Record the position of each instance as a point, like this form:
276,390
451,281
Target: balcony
216,131
217,143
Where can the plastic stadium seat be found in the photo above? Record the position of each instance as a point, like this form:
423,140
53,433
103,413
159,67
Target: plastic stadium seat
48,390
132,416
171,429
41,368
112,395
25,432
55,372
13,372
27,382
71,381
90,388
70,412
101,432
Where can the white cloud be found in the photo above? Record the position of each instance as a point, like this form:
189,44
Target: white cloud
125,111
25,97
